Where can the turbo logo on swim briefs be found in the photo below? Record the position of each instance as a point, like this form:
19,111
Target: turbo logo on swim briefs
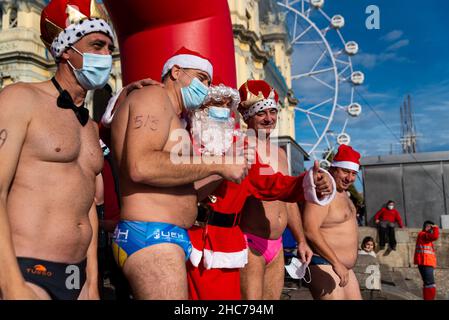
40,270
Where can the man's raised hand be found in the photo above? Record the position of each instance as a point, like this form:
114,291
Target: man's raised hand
322,181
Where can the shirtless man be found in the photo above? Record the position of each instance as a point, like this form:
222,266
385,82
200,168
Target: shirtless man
263,222
49,159
332,232
158,198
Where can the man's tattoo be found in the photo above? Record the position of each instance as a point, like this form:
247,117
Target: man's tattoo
144,121
3,137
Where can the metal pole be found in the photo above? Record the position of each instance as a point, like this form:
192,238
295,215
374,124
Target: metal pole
403,193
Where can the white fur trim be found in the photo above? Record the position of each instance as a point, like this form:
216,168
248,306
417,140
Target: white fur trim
195,256
260,106
310,189
228,260
76,31
188,61
346,165
108,116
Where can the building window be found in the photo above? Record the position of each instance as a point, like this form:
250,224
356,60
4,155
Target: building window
13,18
1,18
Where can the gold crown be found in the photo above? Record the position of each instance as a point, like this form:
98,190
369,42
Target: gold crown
96,11
74,16
251,98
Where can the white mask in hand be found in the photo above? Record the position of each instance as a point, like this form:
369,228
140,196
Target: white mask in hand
297,270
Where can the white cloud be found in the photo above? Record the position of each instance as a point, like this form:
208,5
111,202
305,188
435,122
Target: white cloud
392,35
398,45
371,60
367,60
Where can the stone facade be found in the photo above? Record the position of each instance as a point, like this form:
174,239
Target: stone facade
263,51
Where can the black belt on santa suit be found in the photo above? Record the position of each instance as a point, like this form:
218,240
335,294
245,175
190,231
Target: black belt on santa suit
214,218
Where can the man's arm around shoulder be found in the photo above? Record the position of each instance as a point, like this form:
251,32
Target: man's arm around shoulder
149,130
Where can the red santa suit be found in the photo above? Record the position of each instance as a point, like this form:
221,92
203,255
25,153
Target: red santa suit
219,247
223,250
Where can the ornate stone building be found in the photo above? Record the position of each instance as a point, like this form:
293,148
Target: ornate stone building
263,51
23,56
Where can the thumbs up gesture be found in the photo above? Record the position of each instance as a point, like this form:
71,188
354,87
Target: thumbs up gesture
322,181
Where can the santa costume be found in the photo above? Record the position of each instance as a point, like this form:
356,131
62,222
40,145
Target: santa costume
219,247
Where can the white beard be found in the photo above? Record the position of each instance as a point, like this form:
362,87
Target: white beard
211,136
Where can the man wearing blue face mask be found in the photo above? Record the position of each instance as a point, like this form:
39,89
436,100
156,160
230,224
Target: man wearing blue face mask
159,202
50,157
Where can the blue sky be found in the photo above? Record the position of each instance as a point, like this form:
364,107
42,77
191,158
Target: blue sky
408,55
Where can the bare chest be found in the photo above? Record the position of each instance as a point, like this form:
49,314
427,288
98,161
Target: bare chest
342,210
179,141
56,136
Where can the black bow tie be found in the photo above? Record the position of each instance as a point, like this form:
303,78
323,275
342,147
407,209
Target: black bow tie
65,101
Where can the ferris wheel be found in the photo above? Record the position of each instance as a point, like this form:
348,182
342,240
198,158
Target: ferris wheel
323,77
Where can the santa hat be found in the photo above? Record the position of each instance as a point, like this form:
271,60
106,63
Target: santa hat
64,22
188,59
346,158
256,96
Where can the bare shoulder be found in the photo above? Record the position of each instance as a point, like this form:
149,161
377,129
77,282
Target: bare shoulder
150,97
18,99
313,209
341,199
10,94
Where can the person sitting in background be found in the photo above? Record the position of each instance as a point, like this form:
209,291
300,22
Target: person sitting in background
368,246
387,218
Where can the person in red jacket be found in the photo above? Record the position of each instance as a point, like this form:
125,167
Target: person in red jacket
426,259
387,218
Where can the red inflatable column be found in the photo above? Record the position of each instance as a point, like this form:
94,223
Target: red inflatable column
149,32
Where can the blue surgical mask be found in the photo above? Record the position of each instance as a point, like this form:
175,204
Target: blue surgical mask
95,71
194,94
219,114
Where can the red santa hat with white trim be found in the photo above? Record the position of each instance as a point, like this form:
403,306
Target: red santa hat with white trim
188,59
64,22
347,158
256,96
